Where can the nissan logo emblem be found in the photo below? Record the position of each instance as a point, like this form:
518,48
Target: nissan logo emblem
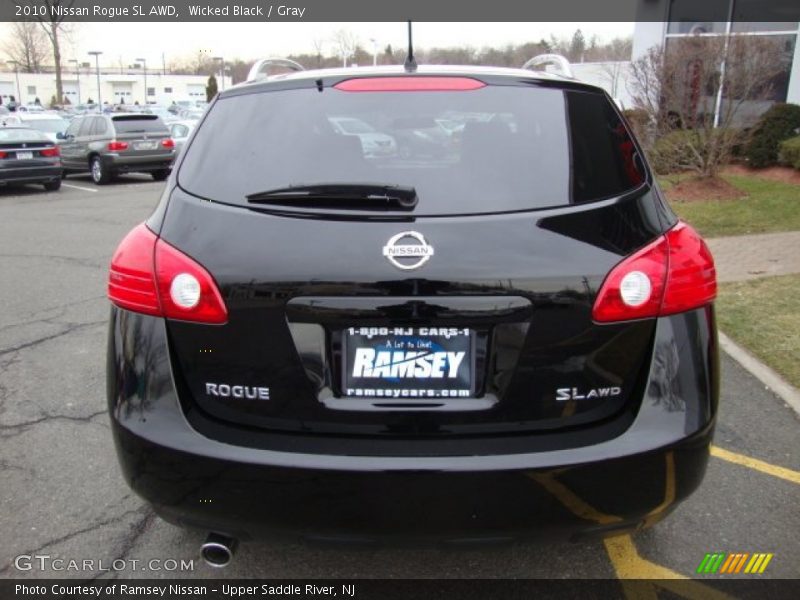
408,250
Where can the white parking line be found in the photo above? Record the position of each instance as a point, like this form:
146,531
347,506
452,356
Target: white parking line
78,187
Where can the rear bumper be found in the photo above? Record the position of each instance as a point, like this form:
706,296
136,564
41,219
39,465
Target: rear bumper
38,174
255,501
623,483
135,164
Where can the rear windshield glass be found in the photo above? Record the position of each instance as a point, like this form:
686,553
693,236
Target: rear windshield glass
139,124
498,148
20,135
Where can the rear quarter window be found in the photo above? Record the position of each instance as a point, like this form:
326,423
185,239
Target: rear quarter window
493,149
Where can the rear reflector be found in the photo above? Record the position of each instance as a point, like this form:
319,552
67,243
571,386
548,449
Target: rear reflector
409,84
673,274
147,275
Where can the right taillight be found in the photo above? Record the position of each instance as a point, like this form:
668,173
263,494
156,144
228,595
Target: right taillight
673,274
150,276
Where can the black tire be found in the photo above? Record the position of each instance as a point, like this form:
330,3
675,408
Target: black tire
160,175
52,186
100,175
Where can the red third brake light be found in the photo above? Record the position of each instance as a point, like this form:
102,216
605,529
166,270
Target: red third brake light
115,145
149,276
409,84
673,274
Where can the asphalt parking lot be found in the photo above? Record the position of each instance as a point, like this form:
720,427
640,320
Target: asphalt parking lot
61,493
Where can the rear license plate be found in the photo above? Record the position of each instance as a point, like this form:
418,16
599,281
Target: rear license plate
408,362
145,145
24,155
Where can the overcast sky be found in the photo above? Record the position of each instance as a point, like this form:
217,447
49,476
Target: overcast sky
251,40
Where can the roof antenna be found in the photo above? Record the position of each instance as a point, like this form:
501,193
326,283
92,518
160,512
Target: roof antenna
411,63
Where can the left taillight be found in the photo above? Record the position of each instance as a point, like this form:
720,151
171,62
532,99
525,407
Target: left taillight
54,151
148,275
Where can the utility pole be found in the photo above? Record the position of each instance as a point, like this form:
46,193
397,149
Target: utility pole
221,68
96,54
144,68
77,76
16,73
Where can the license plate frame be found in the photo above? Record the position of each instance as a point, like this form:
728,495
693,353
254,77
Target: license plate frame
437,363
145,145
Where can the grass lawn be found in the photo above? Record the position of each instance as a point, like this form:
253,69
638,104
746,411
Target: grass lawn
763,315
769,206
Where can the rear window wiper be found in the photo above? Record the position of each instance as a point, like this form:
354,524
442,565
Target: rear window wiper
345,196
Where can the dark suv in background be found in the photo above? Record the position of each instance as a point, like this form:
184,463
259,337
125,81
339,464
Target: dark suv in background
472,343
106,145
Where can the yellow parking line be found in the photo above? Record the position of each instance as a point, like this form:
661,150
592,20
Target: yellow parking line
633,570
758,465
629,565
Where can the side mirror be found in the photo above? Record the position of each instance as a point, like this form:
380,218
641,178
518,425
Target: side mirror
60,135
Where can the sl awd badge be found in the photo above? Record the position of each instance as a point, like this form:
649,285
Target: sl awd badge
408,250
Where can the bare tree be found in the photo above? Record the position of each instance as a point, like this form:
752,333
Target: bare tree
345,43
27,46
319,46
52,23
700,93
615,56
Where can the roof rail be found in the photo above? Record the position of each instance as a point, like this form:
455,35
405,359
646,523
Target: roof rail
260,70
561,63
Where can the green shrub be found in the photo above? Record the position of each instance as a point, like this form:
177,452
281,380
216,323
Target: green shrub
777,124
671,152
789,153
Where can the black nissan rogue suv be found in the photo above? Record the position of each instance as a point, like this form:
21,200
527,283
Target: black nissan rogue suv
447,343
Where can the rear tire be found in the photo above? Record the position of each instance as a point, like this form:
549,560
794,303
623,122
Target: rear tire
52,186
100,175
160,175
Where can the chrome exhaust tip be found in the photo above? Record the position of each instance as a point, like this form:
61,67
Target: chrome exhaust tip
218,550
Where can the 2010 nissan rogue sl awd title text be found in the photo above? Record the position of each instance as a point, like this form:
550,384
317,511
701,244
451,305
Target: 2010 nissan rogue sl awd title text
309,337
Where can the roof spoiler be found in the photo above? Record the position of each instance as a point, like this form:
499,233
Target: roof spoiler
260,70
540,62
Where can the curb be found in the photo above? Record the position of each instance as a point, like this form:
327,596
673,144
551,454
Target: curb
774,382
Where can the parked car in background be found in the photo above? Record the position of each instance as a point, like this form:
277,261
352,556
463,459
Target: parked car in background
49,123
31,108
106,145
10,119
191,114
29,156
373,142
179,132
162,112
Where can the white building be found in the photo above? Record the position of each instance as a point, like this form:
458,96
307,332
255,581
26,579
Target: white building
127,87
660,21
